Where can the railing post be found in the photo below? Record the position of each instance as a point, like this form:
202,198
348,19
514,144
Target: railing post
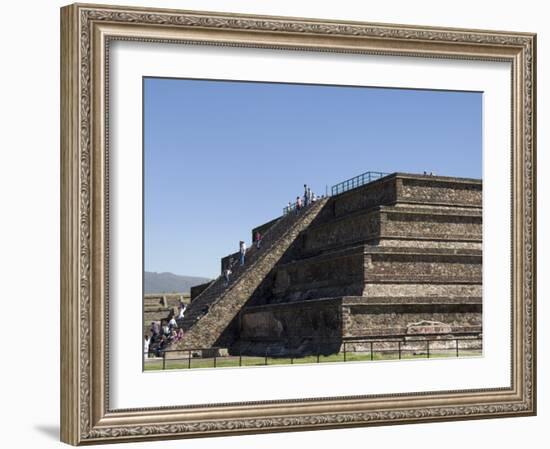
371,353
189,360
164,360
215,350
265,356
399,348
428,349
456,347
318,351
240,356
344,351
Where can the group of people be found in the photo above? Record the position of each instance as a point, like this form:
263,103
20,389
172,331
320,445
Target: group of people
303,201
164,333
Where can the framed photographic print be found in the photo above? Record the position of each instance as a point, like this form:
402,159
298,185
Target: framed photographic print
281,224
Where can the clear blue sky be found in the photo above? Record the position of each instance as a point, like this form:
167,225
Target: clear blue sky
222,157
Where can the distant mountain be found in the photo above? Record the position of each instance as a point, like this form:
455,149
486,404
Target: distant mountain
169,282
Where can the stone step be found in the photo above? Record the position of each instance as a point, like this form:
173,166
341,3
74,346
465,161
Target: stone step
202,303
223,308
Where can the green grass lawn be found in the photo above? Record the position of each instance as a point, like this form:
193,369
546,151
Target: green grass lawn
231,361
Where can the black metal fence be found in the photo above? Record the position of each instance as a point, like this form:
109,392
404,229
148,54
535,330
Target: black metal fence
344,186
356,181
350,350
292,206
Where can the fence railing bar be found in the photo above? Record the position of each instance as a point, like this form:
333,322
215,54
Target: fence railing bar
366,345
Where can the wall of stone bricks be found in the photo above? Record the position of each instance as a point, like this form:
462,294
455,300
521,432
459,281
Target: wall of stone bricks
365,321
348,272
198,289
290,329
282,321
406,223
344,230
424,289
432,223
377,193
447,191
333,274
421,265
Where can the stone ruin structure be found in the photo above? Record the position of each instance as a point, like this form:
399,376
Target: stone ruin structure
161,306
399,257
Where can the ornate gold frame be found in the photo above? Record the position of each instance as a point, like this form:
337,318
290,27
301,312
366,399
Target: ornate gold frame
86,31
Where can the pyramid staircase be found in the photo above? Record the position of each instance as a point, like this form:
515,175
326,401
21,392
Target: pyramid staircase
213,310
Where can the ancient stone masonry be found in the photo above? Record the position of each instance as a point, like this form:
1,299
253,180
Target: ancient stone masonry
215,308
396,257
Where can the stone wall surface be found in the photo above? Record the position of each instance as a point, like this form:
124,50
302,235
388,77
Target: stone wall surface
422,223
425,289
382,191
340,271
390,222
346,230
293,329
364,322
196,290
283,321
262,229
347,272
417,243
418,265
452,191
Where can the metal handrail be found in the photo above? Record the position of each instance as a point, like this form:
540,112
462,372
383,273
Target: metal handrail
344,186
292,206
356,181
344,341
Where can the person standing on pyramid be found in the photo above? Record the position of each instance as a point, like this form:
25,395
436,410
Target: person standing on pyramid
242,251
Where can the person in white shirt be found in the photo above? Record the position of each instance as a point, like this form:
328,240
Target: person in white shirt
242,251
146,347
298,204
227,275
182,308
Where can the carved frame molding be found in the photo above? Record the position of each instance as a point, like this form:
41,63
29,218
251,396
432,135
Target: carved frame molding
87,31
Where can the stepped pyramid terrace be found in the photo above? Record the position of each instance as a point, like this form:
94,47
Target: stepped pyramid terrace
397,256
